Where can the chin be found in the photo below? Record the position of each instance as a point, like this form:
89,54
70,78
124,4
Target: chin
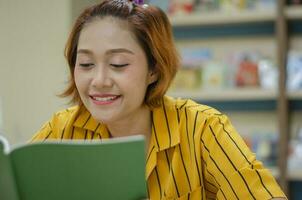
102,119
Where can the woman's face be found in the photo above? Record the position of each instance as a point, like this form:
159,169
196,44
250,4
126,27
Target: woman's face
111,72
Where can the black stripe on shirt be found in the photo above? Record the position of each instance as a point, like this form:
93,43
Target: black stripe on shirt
48,135
150,154
62,135
177,111
158,181
212,185
92,135
197,167
155,131
109,133
209,191
223,194
187,128
63,132
223,127
232,163
219,169
72,134
183,163
172,171
263,184
97,127
167,123
183,104
86,121
86,133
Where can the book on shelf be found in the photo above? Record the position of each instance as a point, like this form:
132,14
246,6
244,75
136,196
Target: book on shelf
109,169
294,70
203,69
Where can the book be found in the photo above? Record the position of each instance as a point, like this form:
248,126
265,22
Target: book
108,169
294,70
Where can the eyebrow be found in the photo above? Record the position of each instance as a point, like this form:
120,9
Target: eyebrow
110,51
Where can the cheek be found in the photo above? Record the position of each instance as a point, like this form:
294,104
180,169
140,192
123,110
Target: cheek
135,80
76,75
138,73
78,79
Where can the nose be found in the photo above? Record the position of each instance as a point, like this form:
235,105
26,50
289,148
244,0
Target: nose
101,78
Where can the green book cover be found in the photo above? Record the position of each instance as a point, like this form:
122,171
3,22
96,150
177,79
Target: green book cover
110,169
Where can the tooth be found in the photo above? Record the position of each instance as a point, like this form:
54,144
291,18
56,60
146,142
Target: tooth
104,98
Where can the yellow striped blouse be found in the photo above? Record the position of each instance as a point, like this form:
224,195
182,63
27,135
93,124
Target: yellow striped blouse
194,152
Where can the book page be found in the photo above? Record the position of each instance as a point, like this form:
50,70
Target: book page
4,144
8,188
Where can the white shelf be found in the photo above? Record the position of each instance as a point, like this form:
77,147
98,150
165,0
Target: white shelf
295,95
245,94
293,12
294,175
291,175
219,17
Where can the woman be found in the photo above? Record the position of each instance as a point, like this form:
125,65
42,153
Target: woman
122,60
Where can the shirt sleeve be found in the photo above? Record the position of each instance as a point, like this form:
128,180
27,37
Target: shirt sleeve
231,166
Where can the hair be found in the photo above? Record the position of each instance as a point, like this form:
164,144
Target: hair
153,31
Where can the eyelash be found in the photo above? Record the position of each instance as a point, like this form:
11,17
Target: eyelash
119,66
86,64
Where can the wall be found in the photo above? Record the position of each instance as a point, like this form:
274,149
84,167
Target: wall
32,66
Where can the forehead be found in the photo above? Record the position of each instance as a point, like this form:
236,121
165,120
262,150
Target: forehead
108,32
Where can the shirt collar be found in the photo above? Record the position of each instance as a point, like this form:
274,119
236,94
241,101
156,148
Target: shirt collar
165,125
165,131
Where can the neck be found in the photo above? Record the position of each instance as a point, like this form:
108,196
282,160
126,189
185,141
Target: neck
140,124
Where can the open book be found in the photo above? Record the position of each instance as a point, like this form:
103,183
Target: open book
112,169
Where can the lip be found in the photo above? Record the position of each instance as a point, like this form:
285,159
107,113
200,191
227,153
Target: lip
104,99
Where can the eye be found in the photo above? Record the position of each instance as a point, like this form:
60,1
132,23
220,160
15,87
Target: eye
85,64
119,65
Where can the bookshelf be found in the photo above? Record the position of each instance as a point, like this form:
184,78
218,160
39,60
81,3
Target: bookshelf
296,95
293,12
278,19
244,94
292,175
216,18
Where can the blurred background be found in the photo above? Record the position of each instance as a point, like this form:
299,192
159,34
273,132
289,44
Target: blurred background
243,57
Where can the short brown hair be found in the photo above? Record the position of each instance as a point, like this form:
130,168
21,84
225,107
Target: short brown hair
153,31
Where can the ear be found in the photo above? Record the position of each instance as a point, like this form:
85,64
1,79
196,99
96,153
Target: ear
152,77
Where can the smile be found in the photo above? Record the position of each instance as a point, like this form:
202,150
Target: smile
101,100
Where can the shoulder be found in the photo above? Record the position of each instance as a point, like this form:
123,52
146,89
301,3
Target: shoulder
60,117
189,107
52,128
66,113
